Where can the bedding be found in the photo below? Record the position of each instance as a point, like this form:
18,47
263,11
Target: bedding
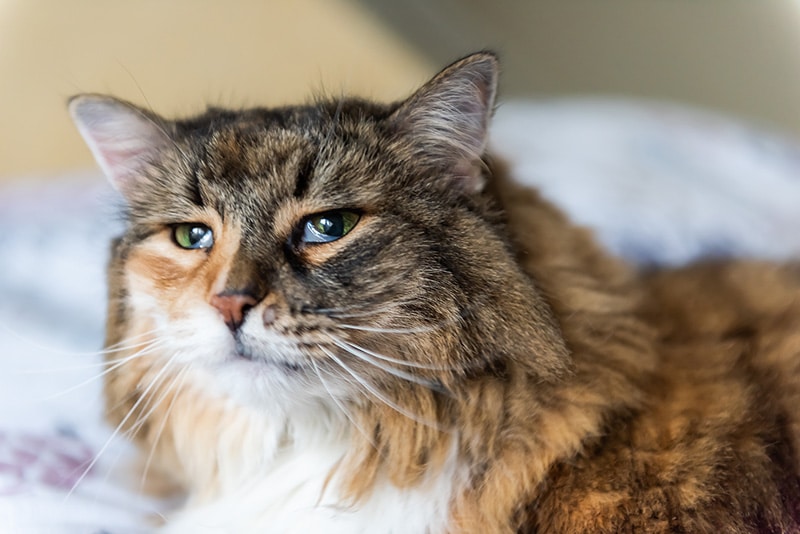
659,184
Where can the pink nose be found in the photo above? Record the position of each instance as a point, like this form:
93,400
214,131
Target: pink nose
233,307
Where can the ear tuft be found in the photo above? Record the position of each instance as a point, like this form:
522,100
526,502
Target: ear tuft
448,118
123,138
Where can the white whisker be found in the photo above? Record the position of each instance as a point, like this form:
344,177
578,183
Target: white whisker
160,430
118,428
81,367
378,330
368,313
122,361
336,339
141,419
358,310
380,396
61,352
122,344
341,407
399,373
151,406
337,309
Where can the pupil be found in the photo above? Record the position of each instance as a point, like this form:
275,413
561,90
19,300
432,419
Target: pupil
330,226
196,234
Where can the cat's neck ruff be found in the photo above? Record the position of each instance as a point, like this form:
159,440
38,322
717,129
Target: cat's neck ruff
282,472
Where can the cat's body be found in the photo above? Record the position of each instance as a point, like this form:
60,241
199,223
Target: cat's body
711,443
409,350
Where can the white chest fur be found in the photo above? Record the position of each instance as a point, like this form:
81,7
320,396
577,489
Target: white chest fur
273,475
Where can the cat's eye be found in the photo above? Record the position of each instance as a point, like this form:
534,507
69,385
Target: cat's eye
193,235
328,226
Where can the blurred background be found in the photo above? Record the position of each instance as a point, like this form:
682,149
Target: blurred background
736,56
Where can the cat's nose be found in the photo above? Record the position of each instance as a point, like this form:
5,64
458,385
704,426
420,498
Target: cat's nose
233,307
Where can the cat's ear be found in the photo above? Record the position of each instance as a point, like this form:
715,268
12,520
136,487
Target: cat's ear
447,119
124,139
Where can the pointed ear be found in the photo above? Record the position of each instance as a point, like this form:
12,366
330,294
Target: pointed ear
447,119
123,138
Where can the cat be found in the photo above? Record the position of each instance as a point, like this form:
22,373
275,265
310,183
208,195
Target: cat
346,317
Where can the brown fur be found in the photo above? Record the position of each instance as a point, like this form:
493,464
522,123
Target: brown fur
581,395
710,442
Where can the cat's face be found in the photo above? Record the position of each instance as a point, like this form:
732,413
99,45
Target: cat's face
300,238
333,250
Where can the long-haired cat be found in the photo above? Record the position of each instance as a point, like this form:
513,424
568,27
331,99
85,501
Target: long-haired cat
343,318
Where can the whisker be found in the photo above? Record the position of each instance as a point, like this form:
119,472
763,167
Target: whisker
341,407
79,367
49,349
118,428
336,309
59,351
160,430
364,356
380,396
151,405
336,339
148,350
361,315
83,367
359,308
122,345
345,313
411,330
379,330
142,419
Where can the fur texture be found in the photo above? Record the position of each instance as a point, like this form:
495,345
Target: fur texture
463,359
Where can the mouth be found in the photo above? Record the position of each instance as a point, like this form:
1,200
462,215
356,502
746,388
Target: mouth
243,352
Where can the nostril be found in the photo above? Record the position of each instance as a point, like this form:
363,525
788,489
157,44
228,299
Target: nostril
233,308
270,314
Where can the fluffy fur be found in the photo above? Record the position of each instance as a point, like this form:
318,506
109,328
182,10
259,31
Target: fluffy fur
463,360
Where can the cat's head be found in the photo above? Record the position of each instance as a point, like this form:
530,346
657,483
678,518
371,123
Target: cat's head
341,249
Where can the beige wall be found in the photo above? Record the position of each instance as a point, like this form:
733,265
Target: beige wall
738,56
177,56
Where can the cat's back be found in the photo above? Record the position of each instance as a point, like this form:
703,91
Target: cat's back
715,447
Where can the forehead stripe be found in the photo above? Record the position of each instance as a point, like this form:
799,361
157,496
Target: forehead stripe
304,173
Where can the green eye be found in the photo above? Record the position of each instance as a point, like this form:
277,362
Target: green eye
193,236
328,226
